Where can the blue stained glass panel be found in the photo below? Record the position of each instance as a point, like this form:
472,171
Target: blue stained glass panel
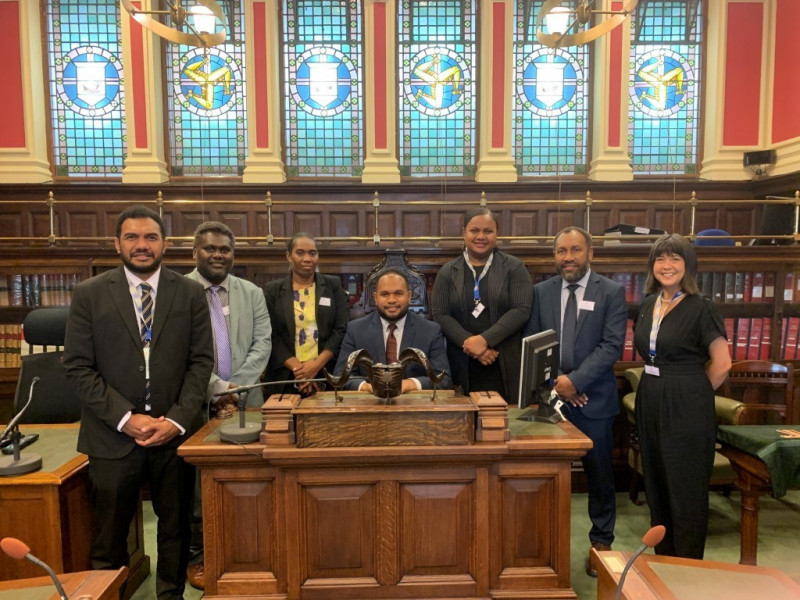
206,103
323,86
664,89
550,114
437,48
86,87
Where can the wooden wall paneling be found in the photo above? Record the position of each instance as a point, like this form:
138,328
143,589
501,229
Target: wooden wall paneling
341,223
311,223
83,224
237,220
11,225
601,219
387,225
559,218
671,219
40,224
741,221
707,218
451,222
417,223
524,222
637,216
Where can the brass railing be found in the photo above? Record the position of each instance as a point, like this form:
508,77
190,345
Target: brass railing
435,241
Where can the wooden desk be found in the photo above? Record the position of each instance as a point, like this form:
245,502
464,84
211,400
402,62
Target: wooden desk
484,520
98,585
50,510
753,480
668,578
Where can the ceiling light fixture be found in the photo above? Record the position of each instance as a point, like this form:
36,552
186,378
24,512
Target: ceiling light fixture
566,25
196,26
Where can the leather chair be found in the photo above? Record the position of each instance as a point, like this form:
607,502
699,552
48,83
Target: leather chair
767,390
729,412
54,399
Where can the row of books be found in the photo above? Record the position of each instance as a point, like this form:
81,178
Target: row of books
45,289
790,339
10,345
748,339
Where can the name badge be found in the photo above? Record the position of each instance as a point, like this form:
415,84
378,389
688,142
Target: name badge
324,301
652,370
146,351
586,305
478,310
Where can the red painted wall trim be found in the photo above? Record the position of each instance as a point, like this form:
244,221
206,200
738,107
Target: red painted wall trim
743,54
786,90
261,102
498,74
615,82
379,69
12,104
138,83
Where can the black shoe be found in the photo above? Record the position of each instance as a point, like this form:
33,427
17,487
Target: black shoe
591,569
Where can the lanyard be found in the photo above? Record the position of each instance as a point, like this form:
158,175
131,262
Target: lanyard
657,321
476,293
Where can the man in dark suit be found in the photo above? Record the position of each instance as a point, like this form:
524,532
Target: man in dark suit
391,319
139,352
586,382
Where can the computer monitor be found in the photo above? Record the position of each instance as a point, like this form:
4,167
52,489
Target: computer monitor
538,369
776,219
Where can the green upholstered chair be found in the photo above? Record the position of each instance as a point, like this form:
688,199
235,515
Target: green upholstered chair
729,412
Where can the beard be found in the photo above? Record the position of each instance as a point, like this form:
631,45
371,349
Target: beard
393,319
140,269
576,276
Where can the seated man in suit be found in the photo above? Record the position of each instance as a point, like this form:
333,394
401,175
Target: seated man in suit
388,331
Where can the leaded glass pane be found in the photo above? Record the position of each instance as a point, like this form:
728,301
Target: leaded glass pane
206,103
324,97
664,90
550,114
86,88
437,87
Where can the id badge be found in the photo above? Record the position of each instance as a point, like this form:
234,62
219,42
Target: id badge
478,309
146,351
652,370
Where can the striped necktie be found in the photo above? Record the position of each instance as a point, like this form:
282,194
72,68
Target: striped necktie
391,345
222,341
146,332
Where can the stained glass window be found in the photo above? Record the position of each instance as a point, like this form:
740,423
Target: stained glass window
664,89
323,90
437,87
86,93
206,103
550,114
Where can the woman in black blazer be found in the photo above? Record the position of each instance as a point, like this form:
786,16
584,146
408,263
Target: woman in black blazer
309,313
483,322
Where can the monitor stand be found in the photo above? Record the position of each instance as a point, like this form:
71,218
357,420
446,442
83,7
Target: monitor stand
546,413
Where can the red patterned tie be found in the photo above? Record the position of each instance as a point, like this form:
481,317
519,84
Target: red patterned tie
391,345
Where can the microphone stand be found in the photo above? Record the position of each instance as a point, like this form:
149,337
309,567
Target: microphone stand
243,432
16,464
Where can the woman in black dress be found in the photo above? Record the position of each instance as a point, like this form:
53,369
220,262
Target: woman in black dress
681,336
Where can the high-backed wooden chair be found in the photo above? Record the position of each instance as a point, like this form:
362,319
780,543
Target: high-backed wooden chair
728,410
767,390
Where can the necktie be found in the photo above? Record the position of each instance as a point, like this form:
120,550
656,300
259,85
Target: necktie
568,330
146,332
222,342
391,345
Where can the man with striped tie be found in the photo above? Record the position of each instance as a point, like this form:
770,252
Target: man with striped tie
139,352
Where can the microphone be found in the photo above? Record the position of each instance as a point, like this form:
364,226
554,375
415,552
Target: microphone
653,536
242,432
16,464
19,550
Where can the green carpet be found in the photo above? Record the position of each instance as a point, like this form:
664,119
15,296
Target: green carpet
778,539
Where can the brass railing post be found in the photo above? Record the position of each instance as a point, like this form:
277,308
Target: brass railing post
693,203
268,203
51,206
587,221
376,203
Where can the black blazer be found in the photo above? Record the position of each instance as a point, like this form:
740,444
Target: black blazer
331,324
105,361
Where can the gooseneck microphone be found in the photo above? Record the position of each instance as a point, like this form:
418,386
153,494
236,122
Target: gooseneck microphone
19,550
18,464
653,536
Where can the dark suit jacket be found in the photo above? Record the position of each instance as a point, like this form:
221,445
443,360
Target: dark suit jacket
599,338
509,305
331,321
105,361
366,333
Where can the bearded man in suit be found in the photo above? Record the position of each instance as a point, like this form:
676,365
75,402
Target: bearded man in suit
409,330
586,381
139,352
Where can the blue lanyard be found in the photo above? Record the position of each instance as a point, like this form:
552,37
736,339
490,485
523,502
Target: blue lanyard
476,292
657,321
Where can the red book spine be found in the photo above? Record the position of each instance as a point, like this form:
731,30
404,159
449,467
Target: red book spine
754,347
766,335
